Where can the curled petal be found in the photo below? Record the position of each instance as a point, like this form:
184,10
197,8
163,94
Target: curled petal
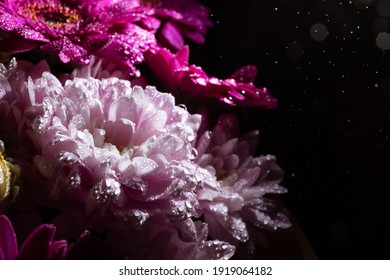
266,215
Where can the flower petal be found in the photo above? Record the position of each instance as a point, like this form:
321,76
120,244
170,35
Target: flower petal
8,244
171,36
67,51
37,245
215,250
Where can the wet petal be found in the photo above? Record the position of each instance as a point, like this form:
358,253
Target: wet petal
8,244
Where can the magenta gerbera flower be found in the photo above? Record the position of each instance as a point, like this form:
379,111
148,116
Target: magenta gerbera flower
39,245
75,29
238,204
180,78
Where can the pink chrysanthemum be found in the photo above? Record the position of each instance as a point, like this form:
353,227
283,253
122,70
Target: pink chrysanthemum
108,145
39,245
108,139
180,78
115,156
237,203
13,124
75,29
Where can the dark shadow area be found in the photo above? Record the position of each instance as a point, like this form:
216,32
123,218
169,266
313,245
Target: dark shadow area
328,64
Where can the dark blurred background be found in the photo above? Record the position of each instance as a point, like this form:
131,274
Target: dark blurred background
328,64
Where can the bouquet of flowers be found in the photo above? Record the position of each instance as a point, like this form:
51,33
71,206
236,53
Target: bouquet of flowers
114,146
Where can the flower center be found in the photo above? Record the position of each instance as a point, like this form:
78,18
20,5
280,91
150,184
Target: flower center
59,17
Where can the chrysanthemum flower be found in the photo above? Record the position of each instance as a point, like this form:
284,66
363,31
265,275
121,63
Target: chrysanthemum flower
238,203
74,30
15,127
106,144
39,245
180,78
116,157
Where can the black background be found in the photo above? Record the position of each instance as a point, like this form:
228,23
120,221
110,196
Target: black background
331,131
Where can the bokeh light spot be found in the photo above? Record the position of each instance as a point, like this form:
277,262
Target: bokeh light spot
319,32
383,41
